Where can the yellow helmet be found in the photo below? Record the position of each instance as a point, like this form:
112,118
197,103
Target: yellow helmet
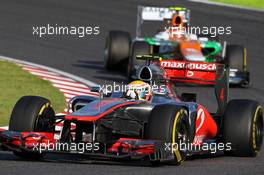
139,90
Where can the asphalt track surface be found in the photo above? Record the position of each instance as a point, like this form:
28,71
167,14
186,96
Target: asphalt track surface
84,57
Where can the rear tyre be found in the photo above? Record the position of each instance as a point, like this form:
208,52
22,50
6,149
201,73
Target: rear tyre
117,48
235,55
32,113
169,124
243,127
138,48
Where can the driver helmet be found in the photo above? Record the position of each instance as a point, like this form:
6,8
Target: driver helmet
176,27
139,90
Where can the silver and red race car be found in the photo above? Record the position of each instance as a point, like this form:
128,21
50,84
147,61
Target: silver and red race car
166,128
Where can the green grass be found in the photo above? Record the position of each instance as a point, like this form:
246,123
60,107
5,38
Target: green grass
259,4
16,82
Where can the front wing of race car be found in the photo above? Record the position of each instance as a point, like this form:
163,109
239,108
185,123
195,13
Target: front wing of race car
123,148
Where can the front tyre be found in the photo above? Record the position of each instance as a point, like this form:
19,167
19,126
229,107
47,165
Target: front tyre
169,124
32,113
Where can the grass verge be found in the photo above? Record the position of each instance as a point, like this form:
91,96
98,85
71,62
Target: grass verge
16,82
258,4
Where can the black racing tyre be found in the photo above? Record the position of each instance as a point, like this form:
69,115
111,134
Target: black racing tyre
236,57
117,49
32,113
243,127
169,124
138,48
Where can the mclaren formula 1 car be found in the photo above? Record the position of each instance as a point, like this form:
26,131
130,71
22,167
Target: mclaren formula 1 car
167,128
120,50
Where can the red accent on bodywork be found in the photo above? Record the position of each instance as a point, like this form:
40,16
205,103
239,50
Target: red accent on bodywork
32,139
95,118
222,94
206,127
123,145
189,72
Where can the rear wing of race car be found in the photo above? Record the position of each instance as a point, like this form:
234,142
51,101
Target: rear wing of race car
196,73
147,13
200,73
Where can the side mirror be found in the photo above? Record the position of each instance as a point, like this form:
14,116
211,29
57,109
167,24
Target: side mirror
188,97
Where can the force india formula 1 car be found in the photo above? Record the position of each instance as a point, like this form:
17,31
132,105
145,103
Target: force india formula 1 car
172,43
116,128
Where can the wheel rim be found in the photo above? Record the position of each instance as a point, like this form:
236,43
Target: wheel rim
44,121
259,130
179,136
182,135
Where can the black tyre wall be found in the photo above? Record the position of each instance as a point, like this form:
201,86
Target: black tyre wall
161,126
137,48
239,119
235,55
117,49
26,112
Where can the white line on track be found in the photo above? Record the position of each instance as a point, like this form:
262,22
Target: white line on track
76,93
39,71
77,89
65,82
4,128
55,77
